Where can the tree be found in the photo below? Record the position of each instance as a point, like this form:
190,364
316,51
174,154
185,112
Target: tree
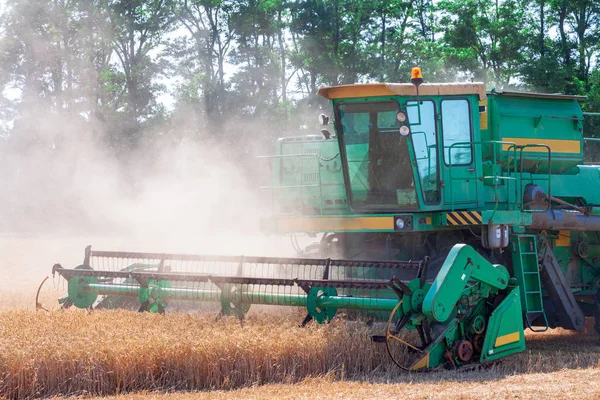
563,63
256,56
202,54
485,39
137,29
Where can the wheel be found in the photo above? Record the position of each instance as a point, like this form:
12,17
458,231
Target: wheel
463,350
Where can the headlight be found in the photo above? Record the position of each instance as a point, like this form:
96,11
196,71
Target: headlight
403,223
401,117
404,130
400,223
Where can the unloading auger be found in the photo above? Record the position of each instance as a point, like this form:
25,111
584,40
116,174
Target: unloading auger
471,312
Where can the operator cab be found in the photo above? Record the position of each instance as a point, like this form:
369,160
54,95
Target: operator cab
390,136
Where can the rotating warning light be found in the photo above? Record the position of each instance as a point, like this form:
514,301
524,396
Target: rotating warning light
416,78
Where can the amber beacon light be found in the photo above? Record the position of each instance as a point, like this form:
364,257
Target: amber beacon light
416,78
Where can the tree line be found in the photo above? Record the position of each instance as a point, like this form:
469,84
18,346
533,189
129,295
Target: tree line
247,71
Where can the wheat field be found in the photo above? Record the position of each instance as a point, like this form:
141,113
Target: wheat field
176,356
85,353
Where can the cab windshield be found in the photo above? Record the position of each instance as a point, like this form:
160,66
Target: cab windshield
376,155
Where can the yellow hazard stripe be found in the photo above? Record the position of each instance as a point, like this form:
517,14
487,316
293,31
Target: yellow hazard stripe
461,218
505,339
464,218
335,224
451,220
470,218
556,145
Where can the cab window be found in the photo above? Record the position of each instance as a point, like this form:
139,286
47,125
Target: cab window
376,155
456,131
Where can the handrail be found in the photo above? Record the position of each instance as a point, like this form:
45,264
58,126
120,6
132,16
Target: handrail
496,178
521,149
517,161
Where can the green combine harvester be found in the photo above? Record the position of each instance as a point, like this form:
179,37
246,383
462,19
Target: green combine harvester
486,194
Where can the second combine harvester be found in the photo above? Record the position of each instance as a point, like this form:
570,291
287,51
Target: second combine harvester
486,193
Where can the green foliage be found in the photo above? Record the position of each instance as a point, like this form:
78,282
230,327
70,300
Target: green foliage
484,39
227,63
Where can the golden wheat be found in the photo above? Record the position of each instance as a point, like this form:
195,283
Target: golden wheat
111,352
106,352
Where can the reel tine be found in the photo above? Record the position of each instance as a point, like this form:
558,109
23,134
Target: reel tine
400,287
38,305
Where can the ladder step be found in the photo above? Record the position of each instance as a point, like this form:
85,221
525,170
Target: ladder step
528,255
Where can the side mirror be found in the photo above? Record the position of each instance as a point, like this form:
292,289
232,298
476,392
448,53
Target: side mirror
326,133
323,119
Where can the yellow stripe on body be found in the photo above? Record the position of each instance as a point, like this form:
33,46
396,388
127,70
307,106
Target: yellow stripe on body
505,339
483,116
335,224
556,145
422,363
564,238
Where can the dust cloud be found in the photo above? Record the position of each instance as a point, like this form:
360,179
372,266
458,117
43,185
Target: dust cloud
70,180
64,189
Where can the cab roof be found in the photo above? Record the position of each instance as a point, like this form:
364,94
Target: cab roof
534,95
402,89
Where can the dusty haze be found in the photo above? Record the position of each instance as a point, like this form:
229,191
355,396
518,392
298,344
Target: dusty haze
189,185
185,196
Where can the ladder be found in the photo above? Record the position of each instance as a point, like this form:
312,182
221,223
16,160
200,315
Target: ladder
527,273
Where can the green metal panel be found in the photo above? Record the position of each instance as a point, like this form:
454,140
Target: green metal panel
556,122
506,218
306,177
504,334
582,182
462,264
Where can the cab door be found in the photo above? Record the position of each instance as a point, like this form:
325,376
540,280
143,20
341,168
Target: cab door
459,156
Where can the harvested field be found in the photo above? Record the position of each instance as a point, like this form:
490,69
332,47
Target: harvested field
112,352
572,384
